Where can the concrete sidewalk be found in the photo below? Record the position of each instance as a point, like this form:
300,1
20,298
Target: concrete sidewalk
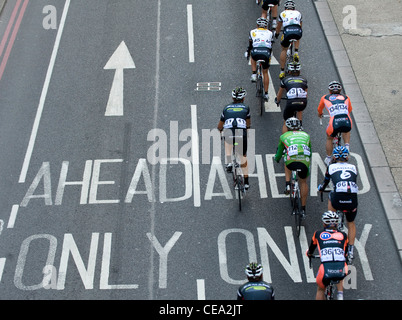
366,52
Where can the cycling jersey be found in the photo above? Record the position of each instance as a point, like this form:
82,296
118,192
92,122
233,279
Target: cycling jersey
261,38
234,115
298,149
331,245
296,92
259,290
290,17
339,108
344,196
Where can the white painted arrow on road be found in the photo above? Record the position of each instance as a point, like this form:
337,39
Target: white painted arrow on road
120,60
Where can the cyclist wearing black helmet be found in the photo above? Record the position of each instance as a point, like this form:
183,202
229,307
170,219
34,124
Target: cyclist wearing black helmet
234,121
339,108
260,47
296,93
344,196
331,245
256,288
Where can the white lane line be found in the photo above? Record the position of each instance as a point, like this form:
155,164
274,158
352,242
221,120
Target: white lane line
45,88
190,33
2,263
200,289
13,216
195,154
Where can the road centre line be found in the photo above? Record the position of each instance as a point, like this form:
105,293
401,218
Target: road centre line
13,35
45,88
190,33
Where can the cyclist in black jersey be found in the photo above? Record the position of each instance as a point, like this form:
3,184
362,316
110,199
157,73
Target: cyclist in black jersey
234,121
344,196
256,288
296,92
331,245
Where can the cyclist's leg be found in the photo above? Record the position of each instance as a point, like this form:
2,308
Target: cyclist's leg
320,295
304,189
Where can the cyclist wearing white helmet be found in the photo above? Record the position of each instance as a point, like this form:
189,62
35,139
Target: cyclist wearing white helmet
339,108
235,119
331,245
296,94
259,48
291,21
256,288
344,195
297,145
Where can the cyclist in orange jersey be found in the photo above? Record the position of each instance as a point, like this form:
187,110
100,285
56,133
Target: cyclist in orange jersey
339,108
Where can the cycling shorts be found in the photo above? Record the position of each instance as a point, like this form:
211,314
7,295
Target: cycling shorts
293,105
339,123
292,32
296,165
237,136
345,201
267,2
262,54
334,270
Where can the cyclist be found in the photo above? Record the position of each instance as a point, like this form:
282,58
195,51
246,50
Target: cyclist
297,145
291,21
296,92
344,196
274,12
235,120
256,288
331,245
339,108
260,47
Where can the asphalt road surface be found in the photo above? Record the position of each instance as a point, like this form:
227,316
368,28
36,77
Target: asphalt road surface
112,180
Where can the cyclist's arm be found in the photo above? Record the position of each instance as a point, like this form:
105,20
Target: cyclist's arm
279,95
349,104
250,46
279,151
321,106
220,125
313,245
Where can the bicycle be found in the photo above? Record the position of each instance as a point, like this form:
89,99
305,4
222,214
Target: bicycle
295,200
329,289
260,87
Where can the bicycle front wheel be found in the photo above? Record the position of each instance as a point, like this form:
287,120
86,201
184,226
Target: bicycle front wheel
298,214
240,186
260,94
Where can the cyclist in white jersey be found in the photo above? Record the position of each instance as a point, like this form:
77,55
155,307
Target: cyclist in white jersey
291,21
259,48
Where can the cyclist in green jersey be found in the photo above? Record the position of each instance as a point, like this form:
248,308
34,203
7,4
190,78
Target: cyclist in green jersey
297,145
